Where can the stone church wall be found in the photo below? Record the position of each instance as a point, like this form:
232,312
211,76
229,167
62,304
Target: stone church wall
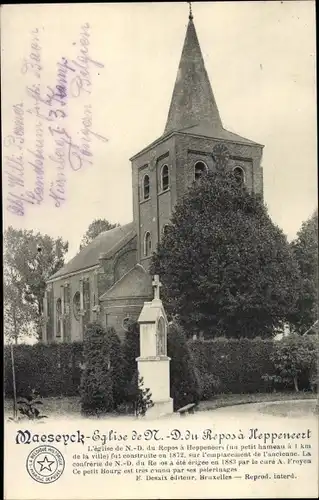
118,310
74,283
190,149
145,212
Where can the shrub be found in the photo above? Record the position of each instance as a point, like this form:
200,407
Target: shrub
96,382
117,367
131,349
294,357
138,396
51,370
232,365
183,379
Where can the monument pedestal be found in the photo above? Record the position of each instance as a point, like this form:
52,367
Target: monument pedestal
155,373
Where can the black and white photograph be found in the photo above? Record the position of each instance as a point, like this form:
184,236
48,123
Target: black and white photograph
160,250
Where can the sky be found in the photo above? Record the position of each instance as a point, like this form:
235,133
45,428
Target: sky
260,58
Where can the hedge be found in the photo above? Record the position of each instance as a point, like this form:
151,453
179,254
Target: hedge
52,370
237,365
222,366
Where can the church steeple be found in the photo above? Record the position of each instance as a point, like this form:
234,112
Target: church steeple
193,101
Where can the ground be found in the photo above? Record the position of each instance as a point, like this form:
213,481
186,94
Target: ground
277,404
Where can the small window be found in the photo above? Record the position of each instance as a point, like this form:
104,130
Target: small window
147,244
200,169
58,317
165,229
126,323
146,187
165,178
239,176
77,305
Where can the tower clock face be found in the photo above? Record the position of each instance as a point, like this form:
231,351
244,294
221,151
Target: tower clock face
221,155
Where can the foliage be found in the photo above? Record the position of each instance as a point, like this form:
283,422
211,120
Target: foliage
305,249
221,366
139,397
95,228
294,355
226,268
143,399
29,260
28,406
52,370
184,383
117,367
18,315
232,365
131,349
96,388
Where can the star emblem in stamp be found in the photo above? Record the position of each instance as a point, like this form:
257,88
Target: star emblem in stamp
45,464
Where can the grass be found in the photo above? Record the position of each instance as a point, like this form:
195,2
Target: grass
222,400
70,406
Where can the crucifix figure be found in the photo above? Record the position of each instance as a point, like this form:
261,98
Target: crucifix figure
156,285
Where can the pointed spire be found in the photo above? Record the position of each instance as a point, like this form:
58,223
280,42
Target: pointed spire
193,101
190,17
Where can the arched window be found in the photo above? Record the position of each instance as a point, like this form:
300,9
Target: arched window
239,176
147,244
76,305
165,178
146,187
200,169
165,229
126,323
58,317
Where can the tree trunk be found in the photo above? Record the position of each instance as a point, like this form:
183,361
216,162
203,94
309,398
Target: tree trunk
296,384
15,410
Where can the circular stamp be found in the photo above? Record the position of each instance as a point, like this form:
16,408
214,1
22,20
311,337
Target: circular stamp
45,464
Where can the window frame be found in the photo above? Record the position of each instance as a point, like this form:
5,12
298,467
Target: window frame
239,167
76,316
162,178
145,246
145,198
206,169
58,311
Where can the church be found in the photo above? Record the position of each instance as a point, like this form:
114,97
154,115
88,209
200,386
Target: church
108,280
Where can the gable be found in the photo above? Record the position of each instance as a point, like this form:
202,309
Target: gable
106,243
136,283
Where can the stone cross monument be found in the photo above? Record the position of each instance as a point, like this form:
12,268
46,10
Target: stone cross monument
153,363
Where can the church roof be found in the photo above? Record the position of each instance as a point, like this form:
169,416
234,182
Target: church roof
193,101
193,109
135,283
106,243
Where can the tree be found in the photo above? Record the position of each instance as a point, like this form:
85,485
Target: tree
117,367
131,349
29,260
305,249
96,388
95,228
293,357
183,378
226,269
18,318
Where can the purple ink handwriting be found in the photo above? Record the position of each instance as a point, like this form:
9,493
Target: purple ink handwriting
49,150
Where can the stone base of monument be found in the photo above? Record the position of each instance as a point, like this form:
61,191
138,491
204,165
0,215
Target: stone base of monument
160,409
155,373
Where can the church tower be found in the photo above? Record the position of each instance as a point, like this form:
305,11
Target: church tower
194,141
